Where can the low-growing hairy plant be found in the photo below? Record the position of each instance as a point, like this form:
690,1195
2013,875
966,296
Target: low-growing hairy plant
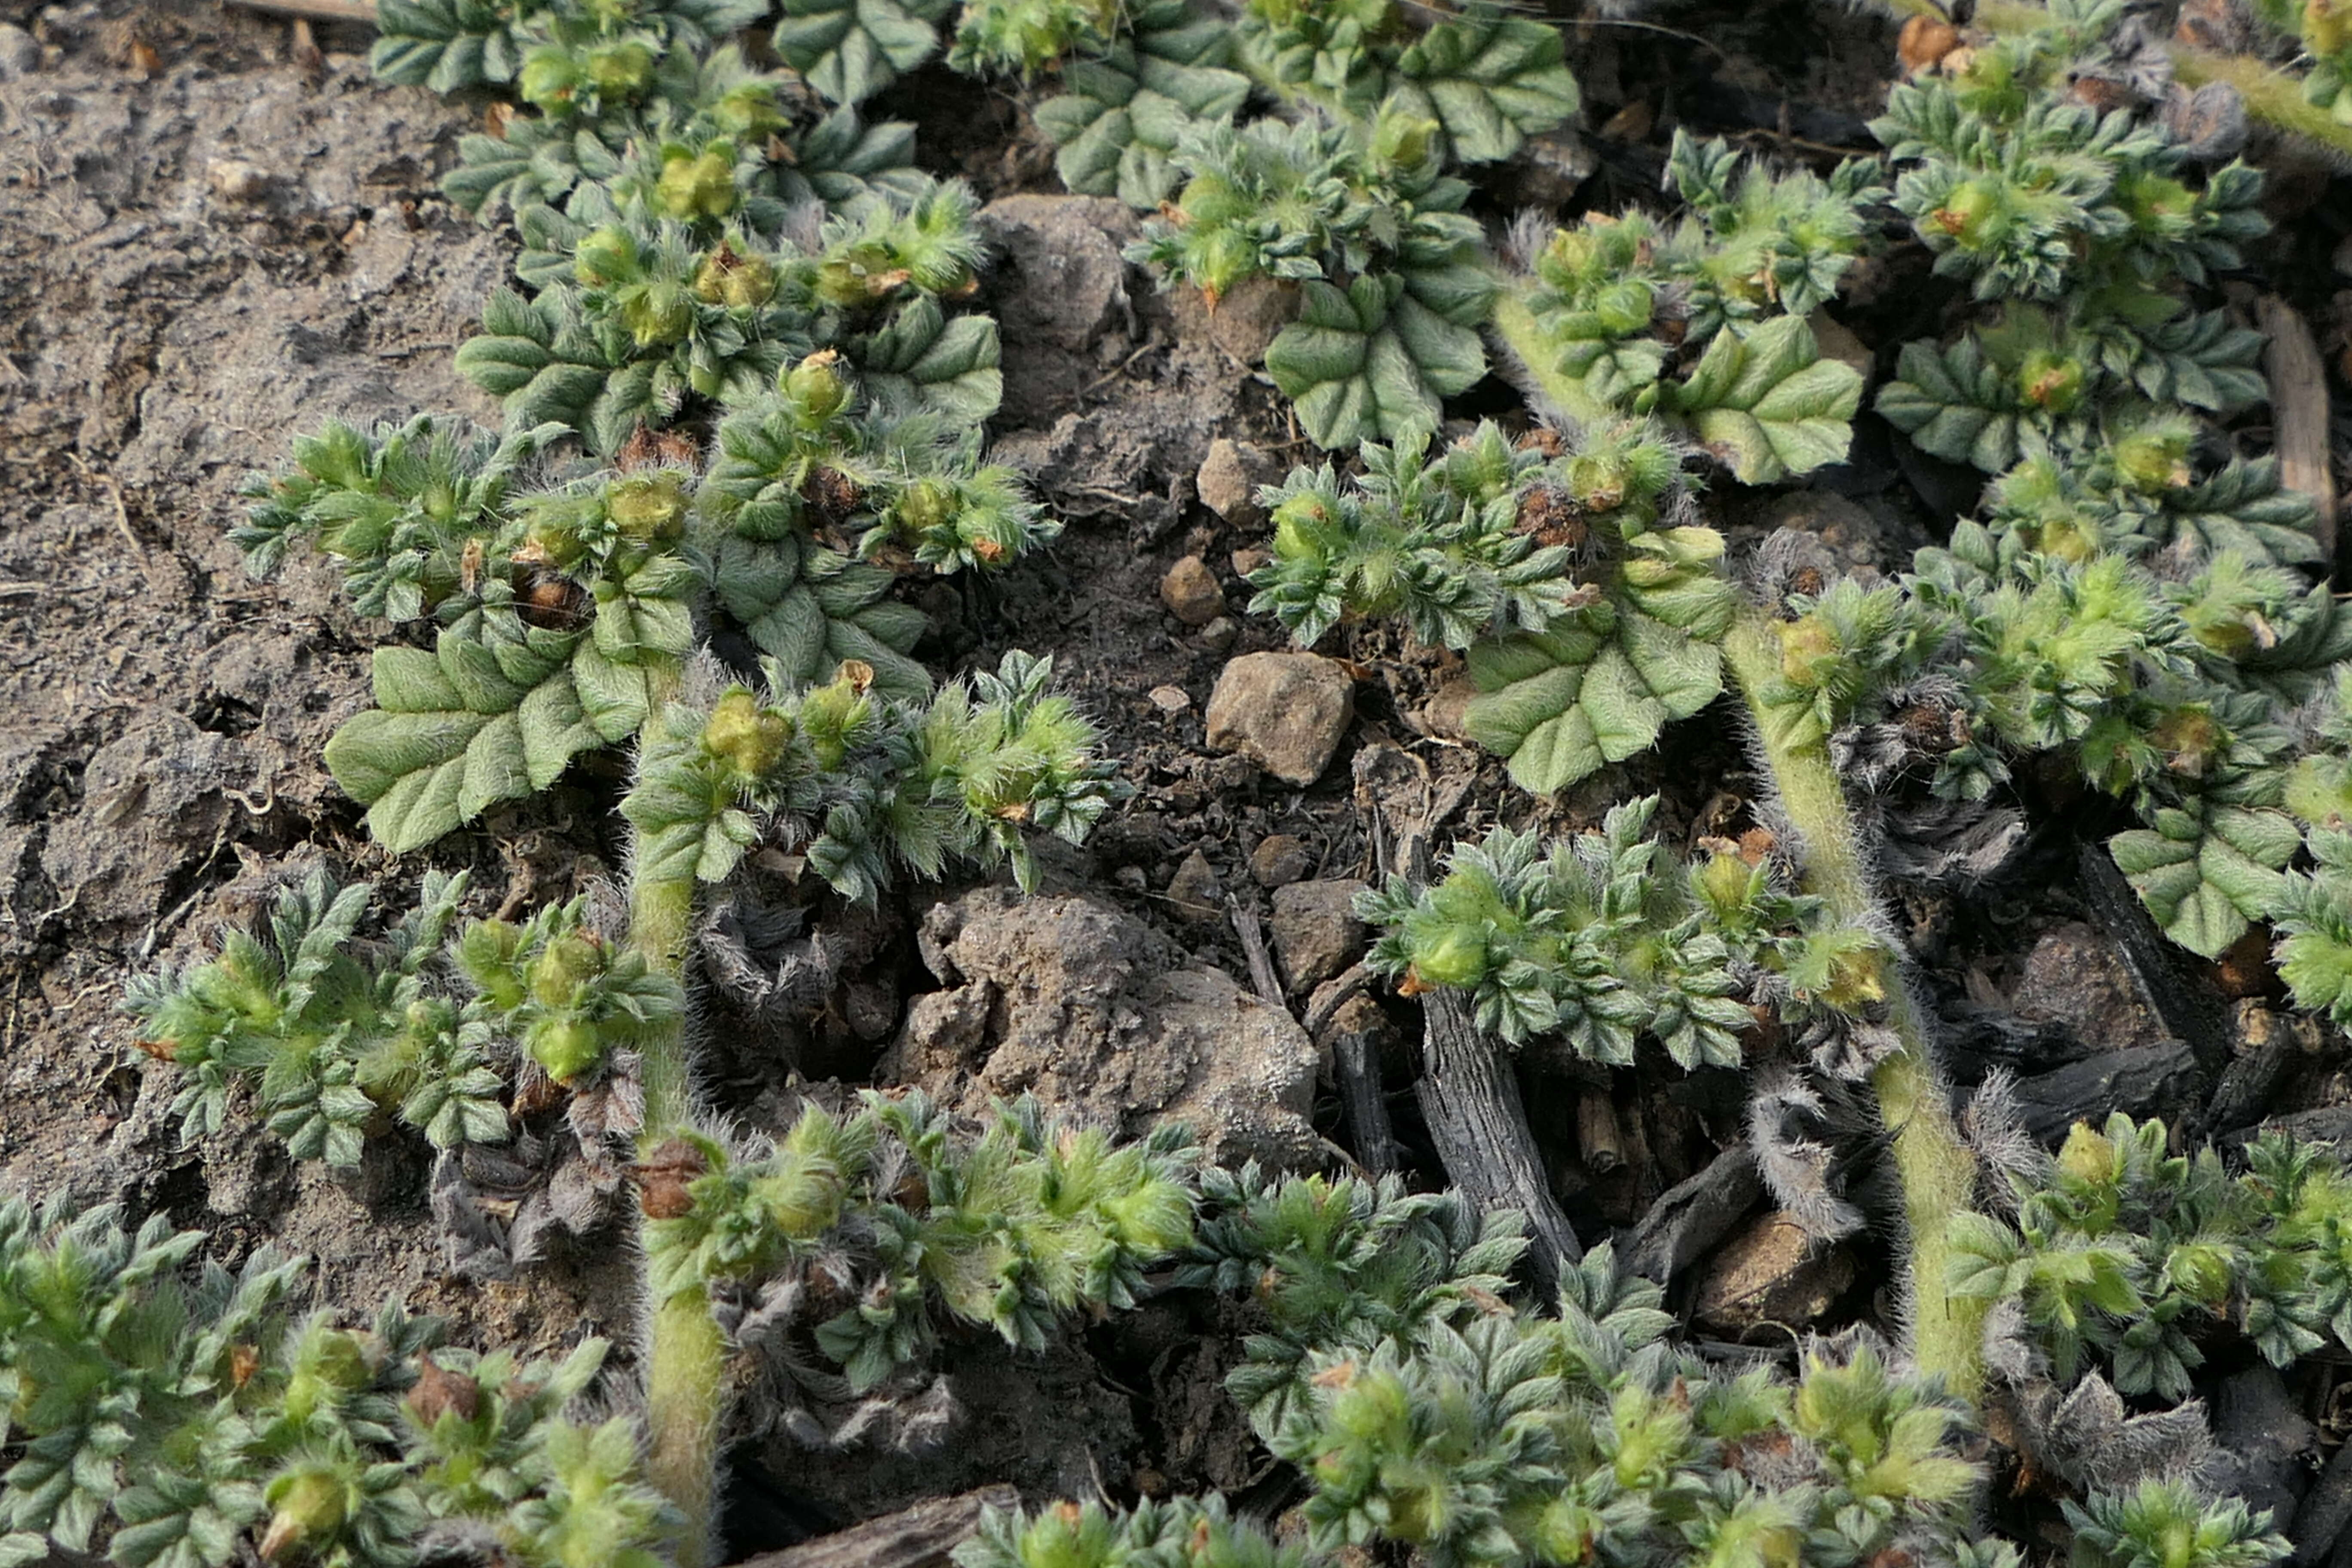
188,1418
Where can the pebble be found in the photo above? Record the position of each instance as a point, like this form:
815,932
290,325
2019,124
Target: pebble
1316,931
20,52
1772,1273
1220,634
1195,890
1171,700
1280,860
1228,480
1286,711
236,180
1191,593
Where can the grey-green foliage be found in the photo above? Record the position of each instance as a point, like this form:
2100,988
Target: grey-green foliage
2127,1258
452,44
1426,1410
336,1030
868,785
331,1032
633,321
177,1418
849,50
559,611
1122,115
1364,217
1596,944
1010,1230
1487,78
1704,325
2077,222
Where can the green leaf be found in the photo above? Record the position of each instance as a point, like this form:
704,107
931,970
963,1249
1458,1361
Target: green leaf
1769,404
1491,79
1954,405
1373,362
851,49
1120,117
491,714
1561,704
809,608
2205,876
446,45
542,358
926,362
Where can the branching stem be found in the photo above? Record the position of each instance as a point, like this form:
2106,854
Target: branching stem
1938,1171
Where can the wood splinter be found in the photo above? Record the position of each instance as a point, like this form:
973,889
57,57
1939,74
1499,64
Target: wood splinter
315,10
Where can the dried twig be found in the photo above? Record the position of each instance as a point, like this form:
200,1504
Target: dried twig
1263,975
2299,404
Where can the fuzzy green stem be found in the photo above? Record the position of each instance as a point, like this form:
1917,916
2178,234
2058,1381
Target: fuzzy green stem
686,1358
2270,94
1939,1174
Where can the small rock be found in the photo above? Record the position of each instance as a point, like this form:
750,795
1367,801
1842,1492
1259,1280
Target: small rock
234,180
2264,1442
20,52
1171,700
1220,634
1245,562
1228,481
1316,931
1286,711
1190,591
1094,1013
1852,537
2342,258
1551,169
1194,889
1442,716
1771,1273
1245,318
2076,976
1280,860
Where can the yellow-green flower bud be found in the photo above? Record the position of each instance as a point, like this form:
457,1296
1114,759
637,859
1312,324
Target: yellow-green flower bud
1972,215
1402,139
748,738
697,186
649,507
1458,956
607,256
927,507
621,70
566,1048
2050,381
659,315
1625,307
1302,528
564,965
2087,1155
738,282
2154,459
307,1507
550,80
816,386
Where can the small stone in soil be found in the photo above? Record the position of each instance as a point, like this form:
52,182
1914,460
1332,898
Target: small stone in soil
20,52
1246,561
1194,889
1170,700
1280,860
1220,634
1772,1273
1190,591
1316,931
1228,479
1286,711
236,180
